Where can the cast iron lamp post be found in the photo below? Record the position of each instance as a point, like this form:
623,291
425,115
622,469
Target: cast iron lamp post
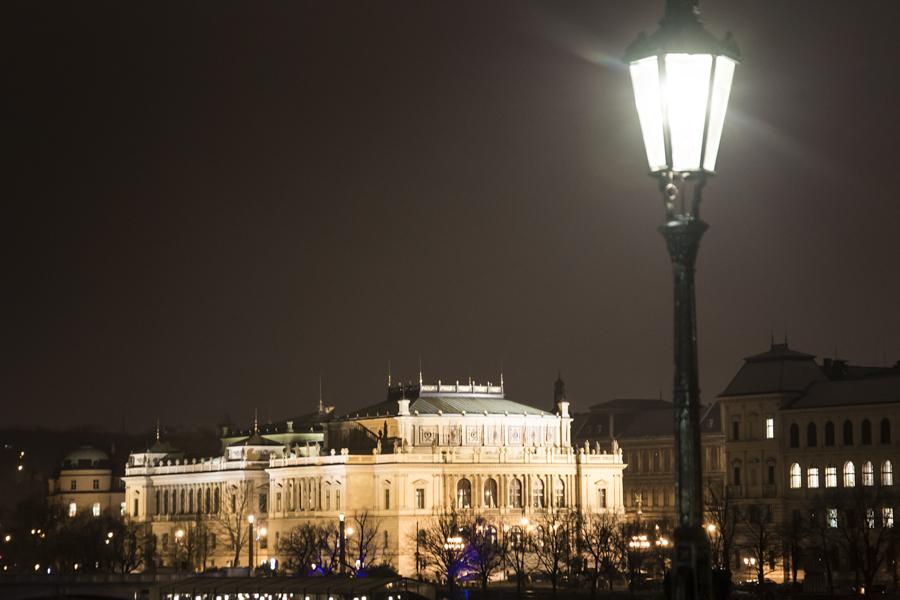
682,79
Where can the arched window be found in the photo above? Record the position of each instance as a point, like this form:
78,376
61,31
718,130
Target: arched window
515,493
848,433
811,435
464,493
829,433
215,501
191,500
865,432
885,431
795,435
537,493
849,474
158,505
887,473
559,493
166,502
490,493
796,476
868,474
182,501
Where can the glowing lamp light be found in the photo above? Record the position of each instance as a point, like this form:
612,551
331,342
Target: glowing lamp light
682,78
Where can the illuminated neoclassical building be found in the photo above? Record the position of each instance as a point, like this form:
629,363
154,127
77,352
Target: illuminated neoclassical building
422,450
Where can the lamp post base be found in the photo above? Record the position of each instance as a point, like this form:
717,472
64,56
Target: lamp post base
691,577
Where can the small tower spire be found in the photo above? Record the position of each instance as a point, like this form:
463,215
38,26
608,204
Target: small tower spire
255,421
420,371
321,396
157,429
389,373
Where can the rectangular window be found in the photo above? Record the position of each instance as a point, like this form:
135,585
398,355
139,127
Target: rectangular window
831,517
328,499
736,429
771,474
134,512
812,478
830,477
73,485
165,541
770,428
73,509
122,509
737,476
337,499
387,499
602,497
278,501
887,516
264,503
95,509
870,518
95,484
420,498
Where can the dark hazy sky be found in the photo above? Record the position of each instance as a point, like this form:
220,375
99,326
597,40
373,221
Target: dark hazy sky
207,205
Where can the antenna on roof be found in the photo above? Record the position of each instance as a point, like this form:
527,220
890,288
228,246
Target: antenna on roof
389,373
420,370
157,429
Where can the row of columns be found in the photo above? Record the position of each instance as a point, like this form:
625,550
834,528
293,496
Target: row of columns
504,486
306,494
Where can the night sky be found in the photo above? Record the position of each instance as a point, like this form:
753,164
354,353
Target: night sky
208,205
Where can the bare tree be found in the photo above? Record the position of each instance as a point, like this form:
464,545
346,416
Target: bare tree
516,552
240,498
598,543
631,547
486,555
821,540
761,538
444,548
865,536
301,547
722,515
553,545
363,550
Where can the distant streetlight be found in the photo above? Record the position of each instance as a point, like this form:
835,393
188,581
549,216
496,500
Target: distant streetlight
682,77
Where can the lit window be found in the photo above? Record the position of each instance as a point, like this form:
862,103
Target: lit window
770,428
464,493
812,477
887,473
95,509
870,518
831,517
849,474
490,493
796,476
887,516
537,494
831,477
122,509
420,498
515,493
559,494
868,474
73,509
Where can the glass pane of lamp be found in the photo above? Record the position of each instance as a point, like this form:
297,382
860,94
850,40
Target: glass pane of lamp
720,92
686,94
645,79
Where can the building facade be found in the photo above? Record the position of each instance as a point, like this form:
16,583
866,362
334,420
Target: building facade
85,484
424,450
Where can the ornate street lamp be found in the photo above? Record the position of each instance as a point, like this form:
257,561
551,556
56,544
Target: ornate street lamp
682,79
